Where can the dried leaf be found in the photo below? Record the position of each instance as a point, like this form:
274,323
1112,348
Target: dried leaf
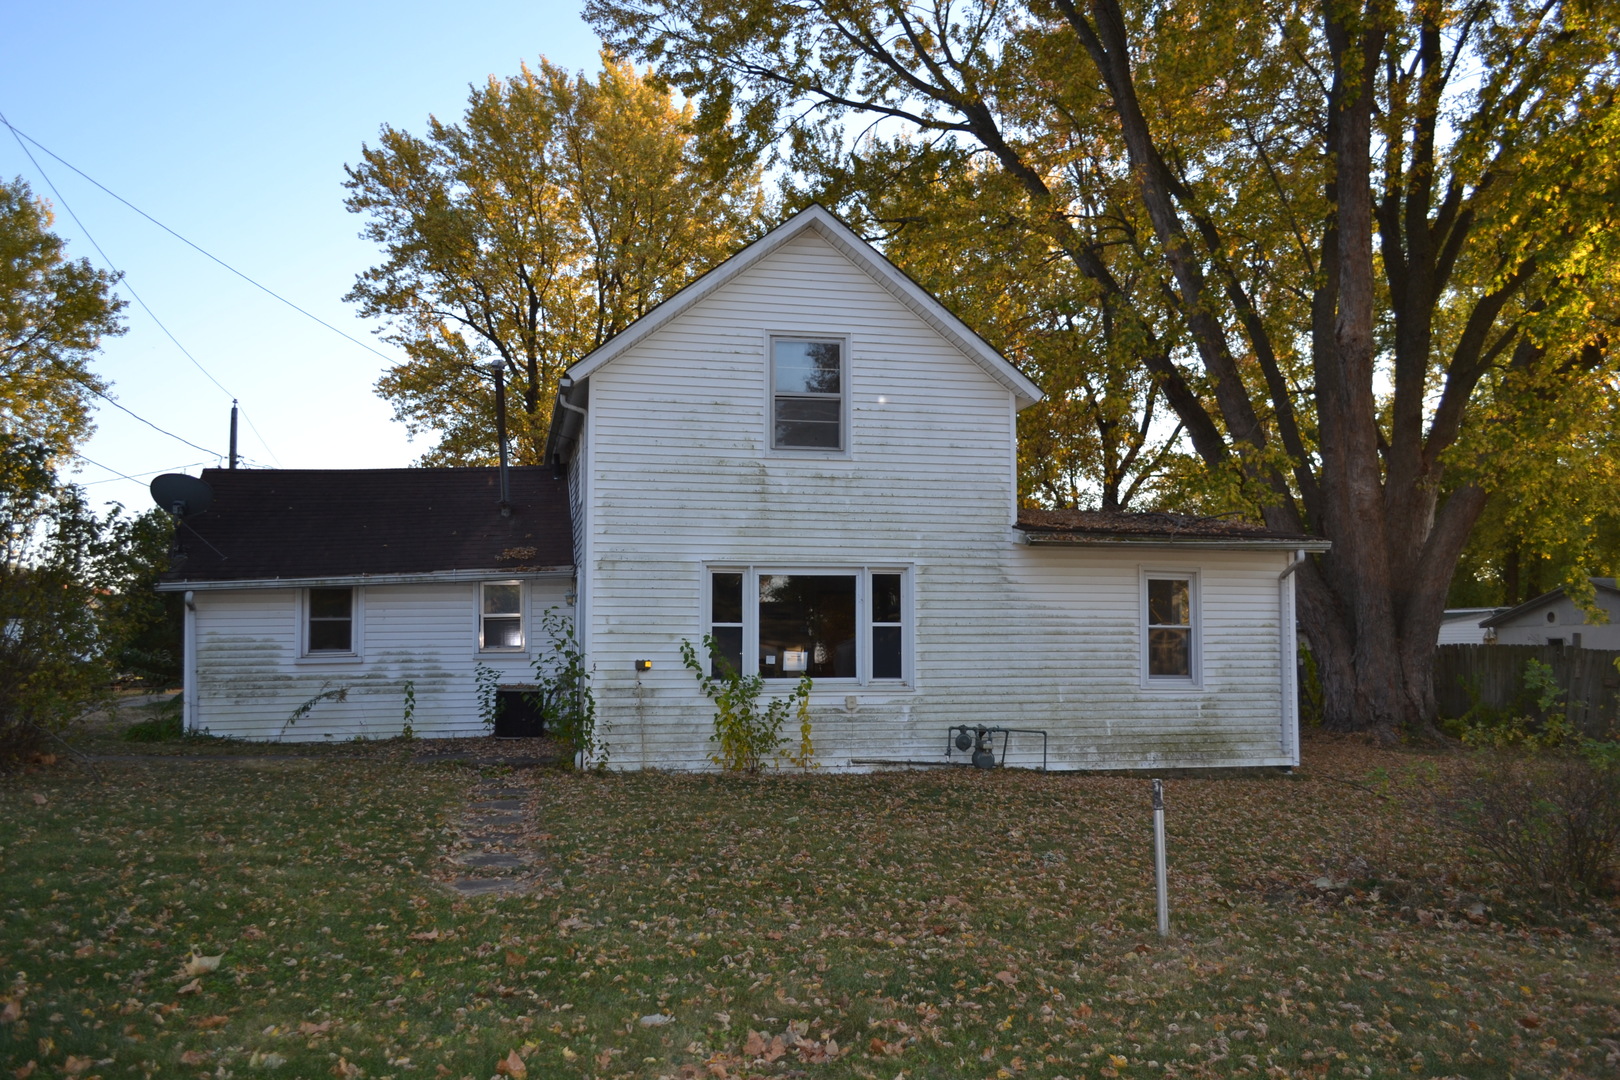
209,1023
194,1057
346,1070
10,1012
513,1066
75,1066
310,1028
201,965
25,1071
192,987
39,800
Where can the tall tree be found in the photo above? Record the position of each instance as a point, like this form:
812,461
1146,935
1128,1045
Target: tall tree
556,212
53,314
1378,227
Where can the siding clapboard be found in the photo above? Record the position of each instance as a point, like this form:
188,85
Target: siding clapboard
681,477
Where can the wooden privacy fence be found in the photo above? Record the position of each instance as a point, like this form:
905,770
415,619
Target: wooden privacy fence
1493,675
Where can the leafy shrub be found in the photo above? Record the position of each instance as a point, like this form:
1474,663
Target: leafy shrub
158,729
746,736
1537,720
1551,821
487,687
563,690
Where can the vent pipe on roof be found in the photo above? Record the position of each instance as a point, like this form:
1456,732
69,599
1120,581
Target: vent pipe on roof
233,433
499,371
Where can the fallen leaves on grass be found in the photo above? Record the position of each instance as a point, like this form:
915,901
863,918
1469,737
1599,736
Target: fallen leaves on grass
512,1065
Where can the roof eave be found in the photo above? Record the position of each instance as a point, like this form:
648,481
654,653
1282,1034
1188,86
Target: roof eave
1214,543
430,577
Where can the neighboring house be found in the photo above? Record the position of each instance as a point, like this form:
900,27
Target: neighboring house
1461,626
806,456
1553,619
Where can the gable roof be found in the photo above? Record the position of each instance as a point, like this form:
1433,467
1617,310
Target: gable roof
1508,615
271,525
819,220
1136,527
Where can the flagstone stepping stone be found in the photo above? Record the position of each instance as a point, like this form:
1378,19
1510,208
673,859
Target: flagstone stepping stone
485,886
492,860
499,804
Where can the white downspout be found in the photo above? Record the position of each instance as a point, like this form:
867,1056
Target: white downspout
1287,633
190,692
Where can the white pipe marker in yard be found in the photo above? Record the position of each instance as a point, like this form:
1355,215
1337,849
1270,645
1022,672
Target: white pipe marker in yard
1161,877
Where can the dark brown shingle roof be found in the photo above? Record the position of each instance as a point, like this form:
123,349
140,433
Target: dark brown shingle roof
316,523
1126,525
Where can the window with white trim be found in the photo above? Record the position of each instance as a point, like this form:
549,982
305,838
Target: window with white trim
1170,636
807,394
329,622
500,620
827,624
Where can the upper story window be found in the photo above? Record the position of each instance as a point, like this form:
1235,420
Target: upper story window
1171,640
500,623
330,627
807,394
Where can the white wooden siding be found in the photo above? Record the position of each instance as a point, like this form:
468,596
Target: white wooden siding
250,679
680,477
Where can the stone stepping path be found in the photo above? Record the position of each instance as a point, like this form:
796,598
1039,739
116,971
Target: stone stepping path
492,856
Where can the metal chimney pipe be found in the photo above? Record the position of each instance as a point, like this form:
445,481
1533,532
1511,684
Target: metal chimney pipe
233,433
499,371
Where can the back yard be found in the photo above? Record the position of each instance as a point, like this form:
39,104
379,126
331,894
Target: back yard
929,924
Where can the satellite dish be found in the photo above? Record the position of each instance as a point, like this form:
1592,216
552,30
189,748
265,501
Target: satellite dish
181,495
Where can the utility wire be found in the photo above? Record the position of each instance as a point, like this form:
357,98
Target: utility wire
104,256
124,281
116,404
138,476
264,288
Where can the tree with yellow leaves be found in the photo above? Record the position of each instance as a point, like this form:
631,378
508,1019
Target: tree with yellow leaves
556,212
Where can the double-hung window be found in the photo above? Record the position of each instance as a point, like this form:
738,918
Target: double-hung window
807,394
828,624
1170,631
329,622
500,622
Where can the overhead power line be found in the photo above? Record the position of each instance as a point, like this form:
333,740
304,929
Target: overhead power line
116,404
124,281
20,135
137,478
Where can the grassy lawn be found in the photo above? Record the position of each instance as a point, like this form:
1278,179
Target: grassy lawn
934,924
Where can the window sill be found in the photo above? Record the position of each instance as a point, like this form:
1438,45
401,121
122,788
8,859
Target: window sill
330,658
1181,686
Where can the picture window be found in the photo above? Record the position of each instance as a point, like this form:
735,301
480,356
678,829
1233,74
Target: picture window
785,624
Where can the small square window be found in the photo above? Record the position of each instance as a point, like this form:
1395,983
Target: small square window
501,621
331,621
807,395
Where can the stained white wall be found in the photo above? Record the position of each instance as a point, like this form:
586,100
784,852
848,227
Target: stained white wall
251,678
680,478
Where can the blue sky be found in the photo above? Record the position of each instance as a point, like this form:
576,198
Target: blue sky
231,124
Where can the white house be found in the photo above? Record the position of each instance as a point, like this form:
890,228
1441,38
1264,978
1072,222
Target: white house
806,456
1553,619
1461,626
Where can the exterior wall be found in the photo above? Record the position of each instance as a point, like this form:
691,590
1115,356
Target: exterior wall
1462,627
1532,627
681,479
250,678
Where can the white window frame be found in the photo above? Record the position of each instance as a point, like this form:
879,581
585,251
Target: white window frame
357,609
522,617
843,343
863,615
1194,679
